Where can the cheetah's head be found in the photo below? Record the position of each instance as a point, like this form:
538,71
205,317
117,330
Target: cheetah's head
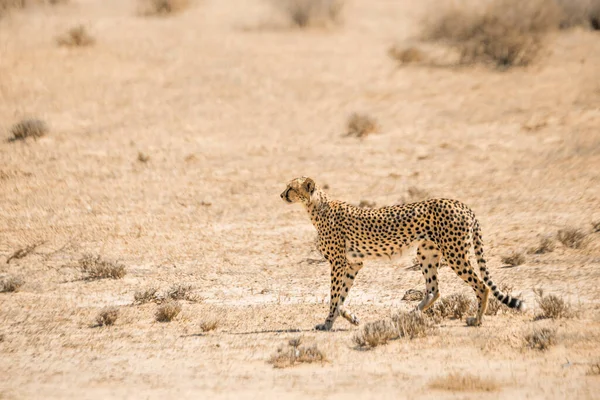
299,190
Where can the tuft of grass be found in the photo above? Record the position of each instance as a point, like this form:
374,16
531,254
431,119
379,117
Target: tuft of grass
23,252
456,382
307,13
209,324
540,339
402,325
551,306
162,7
514,259
594,369
11,284
361,125
77,36
168,311
546,246
505,33
494,305
28,128
572,237
107,316
297,354
97,268
181,292
406,55
414,194
454,306
143,157
146,296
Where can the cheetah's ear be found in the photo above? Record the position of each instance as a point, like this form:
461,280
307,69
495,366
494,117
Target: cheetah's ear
309,186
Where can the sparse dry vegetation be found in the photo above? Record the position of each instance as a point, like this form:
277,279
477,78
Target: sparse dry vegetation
514,259
546,246
94,267
454,306
162,7
456,382
143,157
23,252
77,36
182,292
168,311
572,237
307,13
540,338
107,316
145,296
361,125
494,305
580,12
413,295
28,128
596,226
295,353
551,306
10,284
7,5
402,325
209,324
406,54
594,369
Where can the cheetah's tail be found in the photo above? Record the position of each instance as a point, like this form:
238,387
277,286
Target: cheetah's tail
504,298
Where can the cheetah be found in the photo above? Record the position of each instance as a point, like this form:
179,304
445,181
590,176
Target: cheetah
348,235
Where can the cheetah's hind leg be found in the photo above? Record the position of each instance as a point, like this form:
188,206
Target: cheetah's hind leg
428,255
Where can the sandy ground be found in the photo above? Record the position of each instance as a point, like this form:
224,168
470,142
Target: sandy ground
229,104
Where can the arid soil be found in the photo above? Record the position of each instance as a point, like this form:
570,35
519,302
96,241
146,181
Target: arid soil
170,139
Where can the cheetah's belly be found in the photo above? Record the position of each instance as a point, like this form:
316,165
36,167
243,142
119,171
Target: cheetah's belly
378,253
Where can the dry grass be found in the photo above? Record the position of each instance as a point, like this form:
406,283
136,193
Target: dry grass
454,306
413,295
307,13
162,7
297,354
6,5
28,128
209,324
107,316
504,32
23,252
540,339
406,55
414,194
96,268
146,296
546,245
551,306
181,292
402,325
11,284
456,382
594,369
596,226
361,125
494,305
513,259
77,36
580,12
143,157
572,237
168,311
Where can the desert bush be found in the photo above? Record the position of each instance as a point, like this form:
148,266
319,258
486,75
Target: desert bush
168,311
513,259
456,382
503,32
10,284
540,339
361,125
209,324
296,354
551,306
77,36
406,55
107,316
182,292
546,245
162,7
454,306
146,296
96,268
306,13
402,325
28,128
572,237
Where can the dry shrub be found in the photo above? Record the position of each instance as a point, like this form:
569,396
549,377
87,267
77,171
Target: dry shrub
28,128
406,55
572,237
540,339
454,306
514,259
551,306
23,252
181,292
77,36
143,157
97,268
580,12
413,295
306,13
494,305
146,296
504,32
162,7
414,194
107,316
402,325
209,324
168,311
11,284
546,246
594,369
361,125
297,354
456,382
